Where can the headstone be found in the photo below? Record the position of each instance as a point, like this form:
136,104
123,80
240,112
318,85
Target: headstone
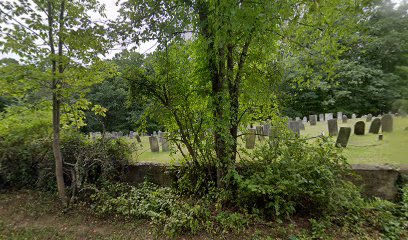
326,116
344,119
380,137
343,137
313,120
369,117
297,118
331,116
333,128
375,126
266,129
115,135
359,128
161,136
259,133
250,138
120,134
154,144
387,123
165,144
154,133
339,115
301,125
321,117
353,116
131,134
304,120
295,127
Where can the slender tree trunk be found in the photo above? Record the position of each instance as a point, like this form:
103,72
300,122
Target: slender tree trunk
56,105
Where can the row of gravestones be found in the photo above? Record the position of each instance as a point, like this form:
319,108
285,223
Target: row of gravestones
386,123
154,140
262,131
329,116
154,143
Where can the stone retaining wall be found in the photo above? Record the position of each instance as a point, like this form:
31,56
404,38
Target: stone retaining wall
381,181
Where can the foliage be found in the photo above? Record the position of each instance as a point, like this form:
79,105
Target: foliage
400,106
291,176
172,214
24,145
232,64
26,159
368,76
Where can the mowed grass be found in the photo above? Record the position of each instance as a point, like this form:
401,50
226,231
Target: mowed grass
366,149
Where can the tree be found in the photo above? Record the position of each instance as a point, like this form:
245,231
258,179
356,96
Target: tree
60,43
369,74
238,49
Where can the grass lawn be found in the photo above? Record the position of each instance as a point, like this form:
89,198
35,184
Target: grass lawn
361,149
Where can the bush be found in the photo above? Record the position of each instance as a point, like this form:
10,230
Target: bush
294,176
171,214
400,106
27,161
24,146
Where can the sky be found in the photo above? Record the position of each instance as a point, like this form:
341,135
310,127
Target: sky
112,13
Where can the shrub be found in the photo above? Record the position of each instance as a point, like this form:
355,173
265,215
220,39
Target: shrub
27,161
294,176
170,213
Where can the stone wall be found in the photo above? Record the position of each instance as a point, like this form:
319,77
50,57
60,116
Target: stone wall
375,180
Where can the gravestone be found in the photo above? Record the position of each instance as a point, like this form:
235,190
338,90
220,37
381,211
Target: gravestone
131,134
321,117
333,128
154,144
375,126
259,133
343,137
313,120
301,125
120,134
304,120
266,129
297,118
344,119
295,127
165,144
326,116
154,133
353,116
359,128
369,117
250,138
161,136
339,115
387,123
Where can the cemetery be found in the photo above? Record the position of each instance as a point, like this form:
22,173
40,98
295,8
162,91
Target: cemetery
362,148
201,119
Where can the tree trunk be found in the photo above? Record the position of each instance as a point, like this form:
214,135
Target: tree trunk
56,119
59,173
